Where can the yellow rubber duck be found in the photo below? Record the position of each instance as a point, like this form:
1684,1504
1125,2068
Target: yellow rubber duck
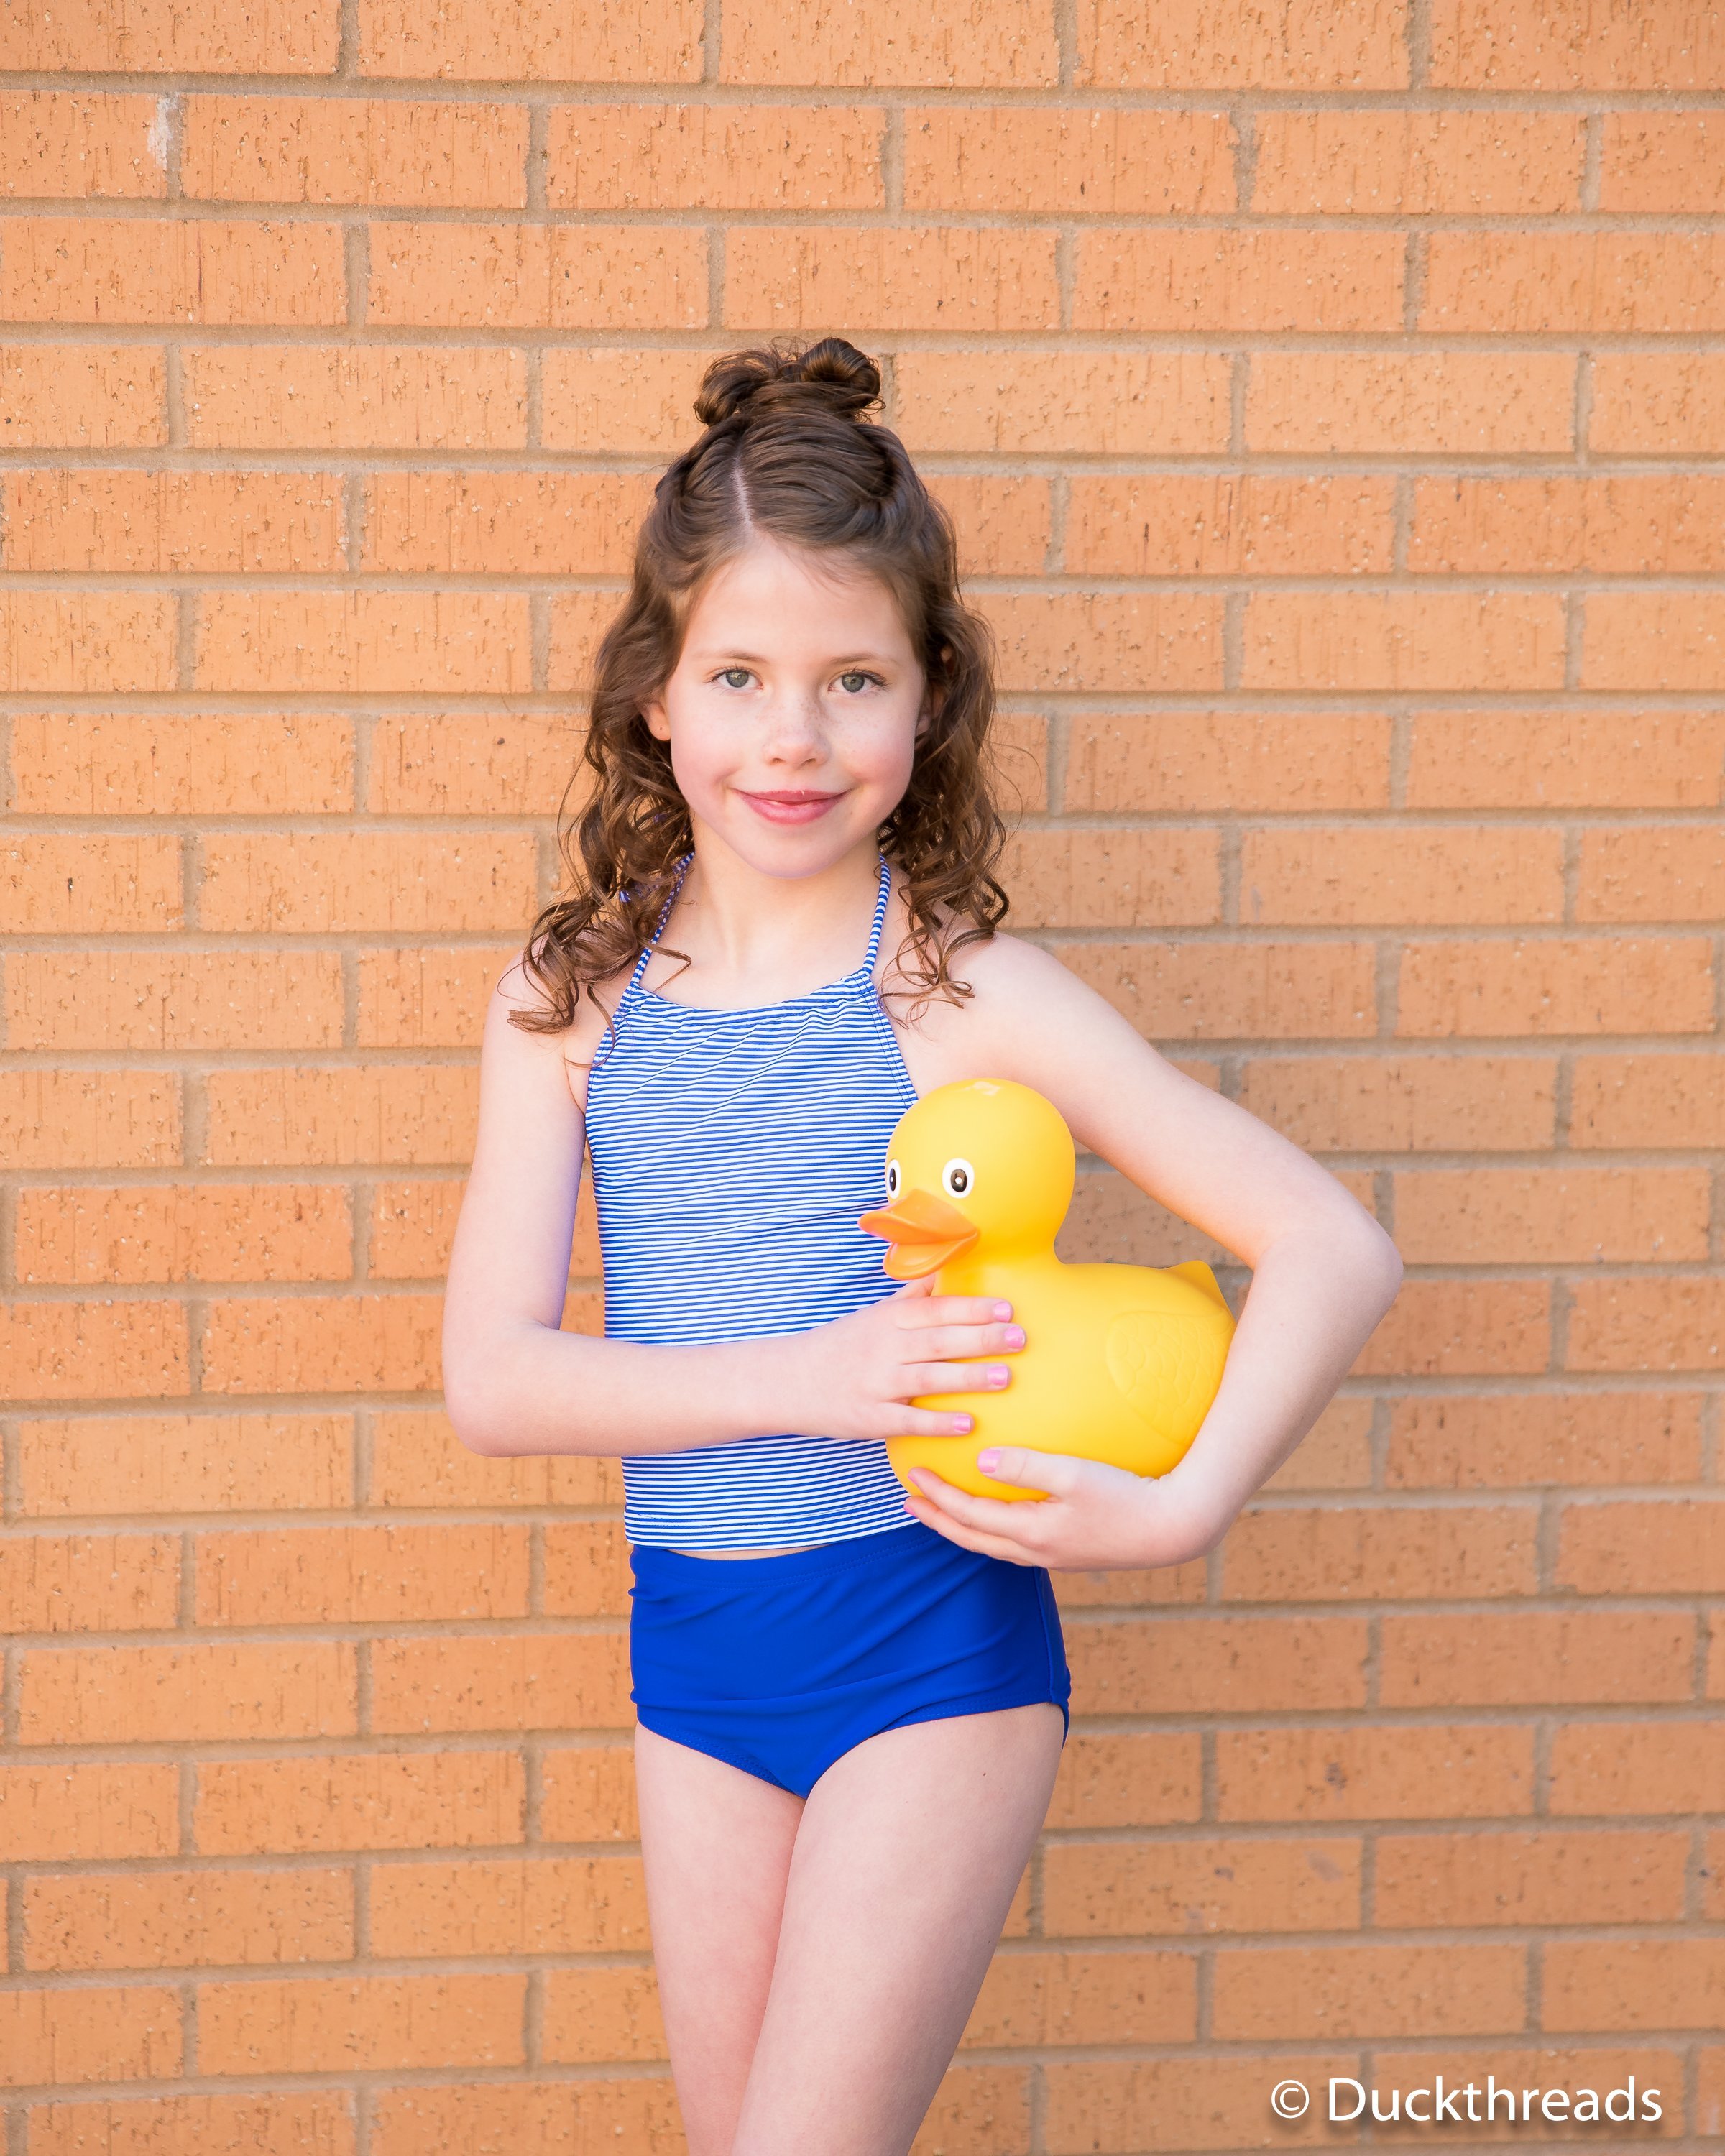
1121,1361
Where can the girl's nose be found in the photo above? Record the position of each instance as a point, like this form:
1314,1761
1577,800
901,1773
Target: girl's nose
793,731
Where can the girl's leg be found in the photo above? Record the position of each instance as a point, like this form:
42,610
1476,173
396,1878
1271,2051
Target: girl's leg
717,1845
904,1864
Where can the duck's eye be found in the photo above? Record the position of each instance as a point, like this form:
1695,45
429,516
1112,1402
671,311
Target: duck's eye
957,1179
893,1179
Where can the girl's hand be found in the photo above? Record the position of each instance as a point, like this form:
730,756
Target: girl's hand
1094,1516
853,1378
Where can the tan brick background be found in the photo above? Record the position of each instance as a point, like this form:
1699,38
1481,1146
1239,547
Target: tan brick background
1331,396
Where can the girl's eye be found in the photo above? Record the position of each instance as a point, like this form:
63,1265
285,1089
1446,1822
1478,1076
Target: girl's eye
737,677
893,1179
854,682
957,1179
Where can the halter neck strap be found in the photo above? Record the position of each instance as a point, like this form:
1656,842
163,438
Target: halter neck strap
866,967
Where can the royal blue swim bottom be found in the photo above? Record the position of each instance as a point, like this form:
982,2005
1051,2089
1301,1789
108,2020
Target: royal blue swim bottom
781,1665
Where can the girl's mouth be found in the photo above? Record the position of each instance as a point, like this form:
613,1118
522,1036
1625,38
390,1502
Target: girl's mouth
794,805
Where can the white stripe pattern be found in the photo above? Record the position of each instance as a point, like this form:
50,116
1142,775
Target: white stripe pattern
732,1151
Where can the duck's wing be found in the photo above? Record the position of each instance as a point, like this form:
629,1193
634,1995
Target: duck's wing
1166,1364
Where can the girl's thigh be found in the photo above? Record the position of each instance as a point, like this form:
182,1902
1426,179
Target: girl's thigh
910,1849
717,1845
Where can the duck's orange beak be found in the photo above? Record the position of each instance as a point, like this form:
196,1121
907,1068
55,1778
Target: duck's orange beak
924,1232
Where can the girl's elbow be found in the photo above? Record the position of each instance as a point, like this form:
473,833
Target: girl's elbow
471,1401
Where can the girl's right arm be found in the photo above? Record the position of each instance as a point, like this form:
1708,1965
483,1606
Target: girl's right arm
514,1383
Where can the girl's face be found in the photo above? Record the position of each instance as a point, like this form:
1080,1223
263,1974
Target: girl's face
793,710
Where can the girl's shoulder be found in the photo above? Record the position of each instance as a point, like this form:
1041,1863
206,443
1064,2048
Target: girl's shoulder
522,1025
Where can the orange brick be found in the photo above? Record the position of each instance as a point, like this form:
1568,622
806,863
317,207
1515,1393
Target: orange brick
1336,1453
1002,525
322,1344
1305,1992
1193,1664
1415,403
179,1919
401,642
1620,526
1568,984
67,2036
315,882
418,1461
537,276
361,1575
388,1113
157,1694
355,396
1404,640
88,1119
1509,1441
1633,1983
311,2123
1647,1100
1615,282
493,523
412,1225
1017,762
199,521
589,1793
1411,1771
1138,1589
1627,1548
945,277
579,619
86,642
185,1463
1536,1659
371,151
1111,642
1446,1328
1343,876
618,401
165,1000
510,1906
1113,878
1571,45
1532,1216
70,1351
1028,160
595,2014
1406,1103
501,1682
413,1800
1372,1553
1665,402
512,765
80,396
1100,1889
477,40
586,1569
224,1231
1218,991
1608,1769
101,1811
1010,46
89,1582
209,270
1523,2072
1239,525
713,157
1228,762
331,2025
1290,45
1213,280
1387,163
1543,1878
1673,1323
156,37
95,763
1653,872
1115,403
1051,1999
1587,759
638,2112
1187,2102
63,142
1662,163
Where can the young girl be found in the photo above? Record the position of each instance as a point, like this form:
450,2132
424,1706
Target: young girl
780,930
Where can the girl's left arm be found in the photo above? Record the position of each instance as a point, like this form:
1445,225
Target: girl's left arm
1323,1275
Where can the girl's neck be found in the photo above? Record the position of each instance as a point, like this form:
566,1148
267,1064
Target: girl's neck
755,938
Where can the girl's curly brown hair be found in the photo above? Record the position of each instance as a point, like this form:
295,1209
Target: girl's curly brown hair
786,453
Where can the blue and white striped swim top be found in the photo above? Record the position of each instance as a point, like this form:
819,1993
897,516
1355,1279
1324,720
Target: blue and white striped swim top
732,1151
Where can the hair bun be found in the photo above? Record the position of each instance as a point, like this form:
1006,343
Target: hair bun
844,379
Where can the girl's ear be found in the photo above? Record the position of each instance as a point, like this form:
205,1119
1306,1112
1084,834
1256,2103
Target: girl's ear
932,700
658,724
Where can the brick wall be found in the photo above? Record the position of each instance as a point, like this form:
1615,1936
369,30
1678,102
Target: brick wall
1330,395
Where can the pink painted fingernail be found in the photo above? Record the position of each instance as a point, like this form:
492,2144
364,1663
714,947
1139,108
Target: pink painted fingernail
1002,1309
1015,1336
964,1424
988,1461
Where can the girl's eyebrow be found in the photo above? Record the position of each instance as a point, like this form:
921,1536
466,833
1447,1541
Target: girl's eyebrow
754,658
